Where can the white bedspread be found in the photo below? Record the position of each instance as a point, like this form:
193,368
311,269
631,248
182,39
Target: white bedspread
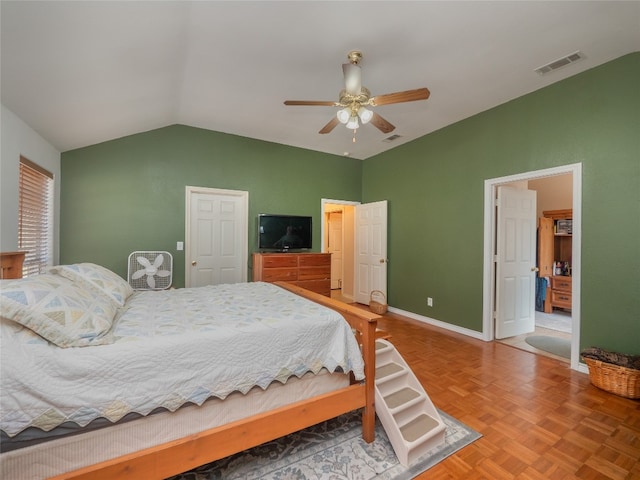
172,347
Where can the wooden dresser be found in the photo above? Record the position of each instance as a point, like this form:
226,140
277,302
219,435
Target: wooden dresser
561,292
11,264
308,270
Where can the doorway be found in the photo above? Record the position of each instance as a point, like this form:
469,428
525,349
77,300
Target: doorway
534,179
343,267
364,248
546,328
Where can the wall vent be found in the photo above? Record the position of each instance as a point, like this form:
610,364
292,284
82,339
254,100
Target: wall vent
559,63
392,138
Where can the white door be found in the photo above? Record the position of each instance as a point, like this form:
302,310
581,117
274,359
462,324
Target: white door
334,246
515,262
216,246
371,250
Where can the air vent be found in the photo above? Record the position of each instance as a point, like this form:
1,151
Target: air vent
559,63
392,138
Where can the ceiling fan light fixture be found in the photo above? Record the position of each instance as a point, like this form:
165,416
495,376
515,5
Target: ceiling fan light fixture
353,123
343,115
365,115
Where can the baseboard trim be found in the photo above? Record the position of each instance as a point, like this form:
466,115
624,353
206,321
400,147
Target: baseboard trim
582,367
437,323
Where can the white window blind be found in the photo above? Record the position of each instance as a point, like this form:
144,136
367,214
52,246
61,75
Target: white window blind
35,229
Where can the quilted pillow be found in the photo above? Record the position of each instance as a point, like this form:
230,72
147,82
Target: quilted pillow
58,310
98,278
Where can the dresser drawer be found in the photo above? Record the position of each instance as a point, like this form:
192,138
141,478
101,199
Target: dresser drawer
275,261
561,283
279,274
314,273
312,260
560,299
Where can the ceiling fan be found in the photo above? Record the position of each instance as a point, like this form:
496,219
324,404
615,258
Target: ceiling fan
354,100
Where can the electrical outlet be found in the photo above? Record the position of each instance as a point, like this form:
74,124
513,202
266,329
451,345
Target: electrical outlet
429,302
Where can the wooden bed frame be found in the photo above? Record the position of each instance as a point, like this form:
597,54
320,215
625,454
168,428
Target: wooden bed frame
184,454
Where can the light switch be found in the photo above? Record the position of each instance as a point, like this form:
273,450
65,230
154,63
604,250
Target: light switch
180,246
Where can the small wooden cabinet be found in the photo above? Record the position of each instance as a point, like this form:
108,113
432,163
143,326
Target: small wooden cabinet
561,292
11,264
307,270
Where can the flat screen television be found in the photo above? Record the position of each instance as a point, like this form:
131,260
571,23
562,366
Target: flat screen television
284,232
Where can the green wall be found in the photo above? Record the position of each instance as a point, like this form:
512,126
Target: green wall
129,194
436,199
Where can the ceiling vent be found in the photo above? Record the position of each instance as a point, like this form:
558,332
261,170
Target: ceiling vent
559,63
392,138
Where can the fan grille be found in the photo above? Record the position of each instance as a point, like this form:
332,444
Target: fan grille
150,270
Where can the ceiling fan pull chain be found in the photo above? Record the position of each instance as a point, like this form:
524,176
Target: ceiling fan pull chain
354,135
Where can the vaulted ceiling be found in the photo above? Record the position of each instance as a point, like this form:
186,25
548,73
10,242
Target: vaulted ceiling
83,72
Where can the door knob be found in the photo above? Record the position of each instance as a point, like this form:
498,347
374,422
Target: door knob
194,263
382,260
535,269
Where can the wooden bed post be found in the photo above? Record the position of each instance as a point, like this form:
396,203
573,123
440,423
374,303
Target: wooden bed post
369,353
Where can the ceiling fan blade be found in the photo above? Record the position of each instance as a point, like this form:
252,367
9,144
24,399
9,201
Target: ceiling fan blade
352,78
313,103
399,97
330,126
381,124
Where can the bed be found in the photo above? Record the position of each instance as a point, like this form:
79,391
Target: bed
206,402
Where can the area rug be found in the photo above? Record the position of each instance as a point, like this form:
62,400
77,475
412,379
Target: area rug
331,450
555,345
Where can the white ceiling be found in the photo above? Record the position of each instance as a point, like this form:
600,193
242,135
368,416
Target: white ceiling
83,72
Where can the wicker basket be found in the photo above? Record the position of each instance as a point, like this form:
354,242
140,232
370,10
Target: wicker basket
612,378
375,306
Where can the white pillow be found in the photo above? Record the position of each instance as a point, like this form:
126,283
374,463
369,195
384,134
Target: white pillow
58,310
98,278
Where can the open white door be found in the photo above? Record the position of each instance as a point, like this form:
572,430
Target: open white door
515,262
216,232
371,250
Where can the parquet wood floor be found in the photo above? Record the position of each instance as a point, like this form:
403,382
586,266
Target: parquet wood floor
539,419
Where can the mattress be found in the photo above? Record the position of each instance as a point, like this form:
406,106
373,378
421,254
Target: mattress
67,454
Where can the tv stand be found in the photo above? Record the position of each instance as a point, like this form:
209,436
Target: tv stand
307,270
